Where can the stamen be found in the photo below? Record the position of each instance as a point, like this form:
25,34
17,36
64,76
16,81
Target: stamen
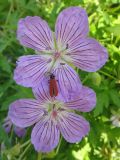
62,63
48,48
67,46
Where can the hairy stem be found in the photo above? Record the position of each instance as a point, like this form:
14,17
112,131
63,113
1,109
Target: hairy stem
57,150
24,144
24,152
108,75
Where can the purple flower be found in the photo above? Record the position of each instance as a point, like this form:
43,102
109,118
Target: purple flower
52,116
20,132
68,44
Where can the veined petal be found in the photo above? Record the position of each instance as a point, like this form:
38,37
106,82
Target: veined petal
45,135
85,101
68,80
72,126
35,33
25,112
87,54
41,92
30,70
72,24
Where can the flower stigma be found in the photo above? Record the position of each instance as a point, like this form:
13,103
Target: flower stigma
53,107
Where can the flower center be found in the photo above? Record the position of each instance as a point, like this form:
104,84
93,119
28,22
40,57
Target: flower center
54,107
57,55
54,114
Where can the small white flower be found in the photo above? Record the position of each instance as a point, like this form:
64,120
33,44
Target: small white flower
115,120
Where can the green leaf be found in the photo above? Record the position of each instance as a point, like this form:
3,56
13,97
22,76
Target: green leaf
14,151
115,97
3,134
115,30
102,102
21,93
51,154
4,64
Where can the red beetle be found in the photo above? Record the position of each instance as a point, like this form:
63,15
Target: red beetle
53,88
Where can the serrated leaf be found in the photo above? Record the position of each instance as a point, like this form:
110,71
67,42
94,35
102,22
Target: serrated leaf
113,134
4,64
102,102
4,87
115,30
115,97
14,151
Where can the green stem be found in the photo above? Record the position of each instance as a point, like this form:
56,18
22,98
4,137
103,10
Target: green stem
52,66
55,43
39,156
24,144
57,150
108,75
85,79
9,12
11,135
24,152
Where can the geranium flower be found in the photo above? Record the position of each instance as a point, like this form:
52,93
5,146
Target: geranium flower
52,116
69,44
7,125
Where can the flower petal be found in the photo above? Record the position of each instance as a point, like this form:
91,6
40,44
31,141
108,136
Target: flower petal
41,92
7,125
68,80
72,24
30,70
25,112
20,132
45,135
72,126
35,33
87,54
84,102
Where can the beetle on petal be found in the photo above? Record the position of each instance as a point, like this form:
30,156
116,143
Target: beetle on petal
53,88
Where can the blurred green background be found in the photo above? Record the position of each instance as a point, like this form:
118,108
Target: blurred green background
103,141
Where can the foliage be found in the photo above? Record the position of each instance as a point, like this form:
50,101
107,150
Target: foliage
104,139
